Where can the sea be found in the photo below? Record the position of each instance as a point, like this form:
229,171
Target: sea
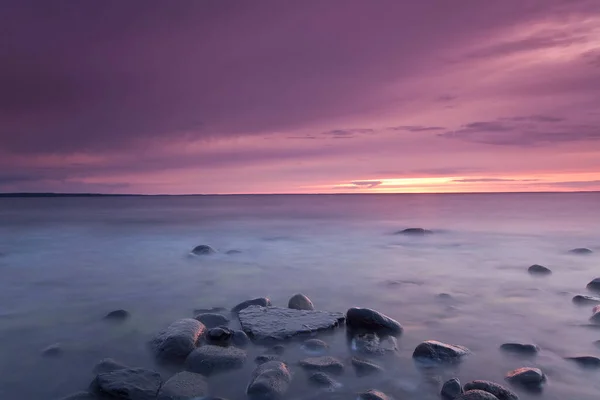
65,262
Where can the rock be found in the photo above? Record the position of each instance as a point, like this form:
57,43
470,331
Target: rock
365,367
209,359
300,302
129,384
323,363
584,299
373,394
203,250
178,340
117,315
269,381
260,301
594,285
476,395
520,348
264,323
586,361
414,232
451,389
444,297
183,386
597,343
314,346
321,379
371,320
240,339
54,350
214,310
526,376
595,318
219,336
277,349
370,343
107,365
580,250
438,351
212,320
263,358
539,270
233,252
497,390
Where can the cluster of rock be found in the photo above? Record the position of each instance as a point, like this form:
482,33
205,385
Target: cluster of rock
486,390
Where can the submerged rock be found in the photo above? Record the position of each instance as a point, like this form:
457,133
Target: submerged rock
178,340
209,359
260,301
219,336
314,346
476,395
526,376
495,389
269,381
277,349
233,252
537,269
414,232
129,383
520,348
300,302
54,350
240,339
212,320
594,285
324,363
117,315
586,361
370,343
584,299
373,394
581,250
203,250
107,365
595,318
365,367
451,389
371,320
438,351
183,386
263,358
263,323
321,379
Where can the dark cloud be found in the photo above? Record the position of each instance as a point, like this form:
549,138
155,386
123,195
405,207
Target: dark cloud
415,128
366,184
535,118
347,133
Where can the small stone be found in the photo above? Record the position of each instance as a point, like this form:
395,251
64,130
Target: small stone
581,250
219,336
476,395
414,232
526,376
495,389
321,379
263,358
300,302
183,386
314,346
129,384
260,301
209,359
54,350
178,340
586,361
584,299
537,269
373,394
324,363
107,365
371,320
240,339
451,389
438,351
365,367
212,320
269,381
520,348
203,250
594,285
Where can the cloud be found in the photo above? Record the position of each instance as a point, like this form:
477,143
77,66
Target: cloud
347,133
576,184
475,180
366,184
415,128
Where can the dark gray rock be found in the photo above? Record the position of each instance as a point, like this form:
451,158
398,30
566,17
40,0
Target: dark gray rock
583,299
240,339
451,389
365,367
183,386
586,361
129,384
371,320
269,381
214,310
263,358
212,320
54,350
117,315
373,394
210,359
594,285
260,301
324,363
178,340
277,349
414,232
108,365
203,250
476,395
438,351
219,336
300,302
526,376
520,348
495,389
264,323
581,250
537,269
321,379
371,344
314,346
595,318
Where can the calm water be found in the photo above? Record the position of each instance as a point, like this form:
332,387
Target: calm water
66,262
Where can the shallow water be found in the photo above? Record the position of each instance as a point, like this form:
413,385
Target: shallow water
66,262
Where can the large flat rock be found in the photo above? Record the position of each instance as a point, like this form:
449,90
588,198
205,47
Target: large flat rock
264,323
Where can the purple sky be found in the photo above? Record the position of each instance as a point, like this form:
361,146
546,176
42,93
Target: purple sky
299,96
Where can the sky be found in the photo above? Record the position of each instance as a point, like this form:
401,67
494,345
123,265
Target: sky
312,96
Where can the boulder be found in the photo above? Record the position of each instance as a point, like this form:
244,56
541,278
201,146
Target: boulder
451,389
585,361
269,381
595,318
495,389
178,340
54,350
203,250
314,346
117,315
300,302
594,285
240,339
275,323
520,348
373,394
476,395
209,359
129,384
583,299
321,379
581,251
107,365
537,269
365,367
526,376
219,336
438,351
323,363
212,320
183,386
371,344
260,301
371,320
414,232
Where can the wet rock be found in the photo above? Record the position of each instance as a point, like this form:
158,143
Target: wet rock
539,270
260,301
371,344
129,384
314,346
240,339
438,351
526,376
581,250
212,320
178,340
219,336
476,395
584,299
594,285
300,302
373,394
117,315
495,389
209,359
323,363
451,389
365,367
108,365
203,250
595,318
371,320
520,348
444,297
183,386
586,361
54,350
263,323
414,232
263,358
269,381
321,379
